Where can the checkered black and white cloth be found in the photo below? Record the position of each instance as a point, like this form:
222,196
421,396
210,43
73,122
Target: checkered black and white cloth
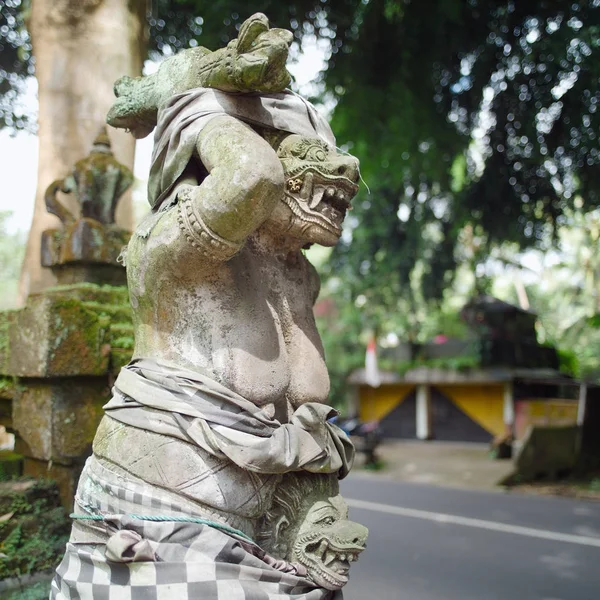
128,556
123,557
191,562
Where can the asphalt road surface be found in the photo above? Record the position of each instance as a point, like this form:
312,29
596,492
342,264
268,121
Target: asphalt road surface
432,543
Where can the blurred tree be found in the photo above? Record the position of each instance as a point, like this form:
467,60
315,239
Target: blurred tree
563,289
475,121
77,49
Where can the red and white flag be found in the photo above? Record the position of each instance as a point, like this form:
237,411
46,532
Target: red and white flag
372,376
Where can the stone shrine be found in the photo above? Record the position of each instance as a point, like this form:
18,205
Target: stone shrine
215,469
88,245
60,353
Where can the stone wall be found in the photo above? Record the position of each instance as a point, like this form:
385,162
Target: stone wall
59,356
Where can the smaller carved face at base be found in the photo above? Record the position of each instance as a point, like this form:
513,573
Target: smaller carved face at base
319,186
327,543
308,524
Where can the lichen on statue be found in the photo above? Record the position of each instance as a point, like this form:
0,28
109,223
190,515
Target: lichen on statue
226,397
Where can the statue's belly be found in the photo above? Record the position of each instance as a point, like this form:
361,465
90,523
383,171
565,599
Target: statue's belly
250,349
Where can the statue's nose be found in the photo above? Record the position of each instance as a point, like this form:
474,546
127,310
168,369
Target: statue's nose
348,167
353,533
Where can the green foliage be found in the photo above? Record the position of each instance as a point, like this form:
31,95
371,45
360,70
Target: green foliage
564,291
36,591
33,546
16,63
457,111
10,465
341,335
568,362
34,537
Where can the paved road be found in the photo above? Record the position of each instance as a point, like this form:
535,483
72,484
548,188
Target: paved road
432,543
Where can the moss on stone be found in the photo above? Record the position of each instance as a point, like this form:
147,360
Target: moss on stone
8,388
124,342
11,465
6,318
91,292
119,357
77,332
118,313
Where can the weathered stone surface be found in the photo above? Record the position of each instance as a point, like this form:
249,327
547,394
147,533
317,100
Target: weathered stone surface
9,389
57,419
97,182
64,476
85,240
307,523
7,317
94,295
54,337
88,245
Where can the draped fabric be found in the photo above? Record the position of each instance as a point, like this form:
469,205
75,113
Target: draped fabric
125,557
185,115
117,548
190,406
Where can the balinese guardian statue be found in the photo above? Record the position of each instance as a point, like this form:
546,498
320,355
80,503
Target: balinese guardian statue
215,468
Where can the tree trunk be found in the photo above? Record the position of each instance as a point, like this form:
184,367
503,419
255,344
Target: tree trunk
80,47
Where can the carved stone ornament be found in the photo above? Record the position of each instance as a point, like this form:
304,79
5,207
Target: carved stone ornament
87,246
215,468
307,523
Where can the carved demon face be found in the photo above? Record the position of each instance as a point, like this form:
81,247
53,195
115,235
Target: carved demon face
319,186
327,542
308,524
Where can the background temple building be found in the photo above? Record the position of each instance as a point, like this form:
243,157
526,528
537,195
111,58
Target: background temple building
496,382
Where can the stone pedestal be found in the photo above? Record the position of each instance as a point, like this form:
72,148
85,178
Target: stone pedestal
85,250
59,356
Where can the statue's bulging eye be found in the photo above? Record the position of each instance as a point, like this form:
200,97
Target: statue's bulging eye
317,154
327,521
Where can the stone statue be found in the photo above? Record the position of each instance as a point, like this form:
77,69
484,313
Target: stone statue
221,417
87,246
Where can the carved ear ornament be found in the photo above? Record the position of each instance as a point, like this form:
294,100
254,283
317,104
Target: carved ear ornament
294,185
